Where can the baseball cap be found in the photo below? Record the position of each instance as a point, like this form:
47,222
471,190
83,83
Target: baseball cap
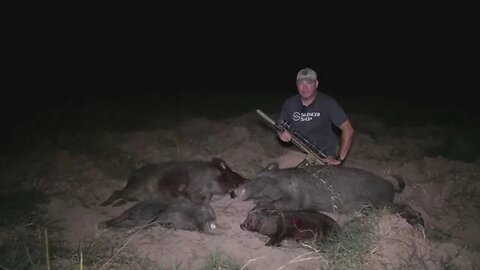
306,74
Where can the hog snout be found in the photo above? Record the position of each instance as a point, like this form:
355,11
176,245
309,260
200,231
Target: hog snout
244,226
209,227
213,226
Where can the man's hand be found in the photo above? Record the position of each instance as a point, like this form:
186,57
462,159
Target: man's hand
285,136
332,161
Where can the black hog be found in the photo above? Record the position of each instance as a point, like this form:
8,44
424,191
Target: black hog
299,225
176,214
325,188
195,180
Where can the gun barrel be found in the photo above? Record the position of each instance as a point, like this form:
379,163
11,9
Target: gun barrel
264,116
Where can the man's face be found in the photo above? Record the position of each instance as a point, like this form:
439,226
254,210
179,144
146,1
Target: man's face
307,88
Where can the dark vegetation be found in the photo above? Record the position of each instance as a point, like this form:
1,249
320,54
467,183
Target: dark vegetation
78,124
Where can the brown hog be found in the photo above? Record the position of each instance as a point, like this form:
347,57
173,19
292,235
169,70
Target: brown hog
195,180
294,224
177,214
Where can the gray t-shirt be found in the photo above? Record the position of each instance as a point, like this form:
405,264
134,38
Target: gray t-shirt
315,121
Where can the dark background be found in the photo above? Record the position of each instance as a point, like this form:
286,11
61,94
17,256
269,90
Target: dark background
75,57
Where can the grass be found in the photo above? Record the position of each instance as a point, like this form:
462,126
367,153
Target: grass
23,225
216,262
21,206
25,251
350,248
28,250
437,235
111,251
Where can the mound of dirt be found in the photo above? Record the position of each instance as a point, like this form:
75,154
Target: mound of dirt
444,191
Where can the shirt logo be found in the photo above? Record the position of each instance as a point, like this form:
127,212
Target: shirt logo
308,116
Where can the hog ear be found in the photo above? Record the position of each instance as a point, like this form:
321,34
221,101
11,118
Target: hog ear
272,166
220,164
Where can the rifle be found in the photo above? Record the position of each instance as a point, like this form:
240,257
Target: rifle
314,155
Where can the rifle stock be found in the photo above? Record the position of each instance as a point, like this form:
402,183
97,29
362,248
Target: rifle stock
314,155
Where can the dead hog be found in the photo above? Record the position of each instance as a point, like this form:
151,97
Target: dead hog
195,180
176,214
294,224
325,188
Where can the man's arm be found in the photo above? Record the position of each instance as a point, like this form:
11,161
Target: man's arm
346,139
340,119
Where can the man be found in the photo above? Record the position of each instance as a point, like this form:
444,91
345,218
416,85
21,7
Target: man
312,113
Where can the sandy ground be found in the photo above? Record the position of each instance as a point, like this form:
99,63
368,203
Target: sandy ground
442,190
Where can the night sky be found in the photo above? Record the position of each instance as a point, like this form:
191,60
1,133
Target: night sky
79,58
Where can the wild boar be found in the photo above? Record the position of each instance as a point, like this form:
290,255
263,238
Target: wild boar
195,180
325,188
299,225
176,214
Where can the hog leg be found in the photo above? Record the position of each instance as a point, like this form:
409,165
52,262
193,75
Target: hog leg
123,201
406,211
127,195
413,217
279,235
116,195
140,214
126,219
189,225
177,222
201,198
274,240
286,203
